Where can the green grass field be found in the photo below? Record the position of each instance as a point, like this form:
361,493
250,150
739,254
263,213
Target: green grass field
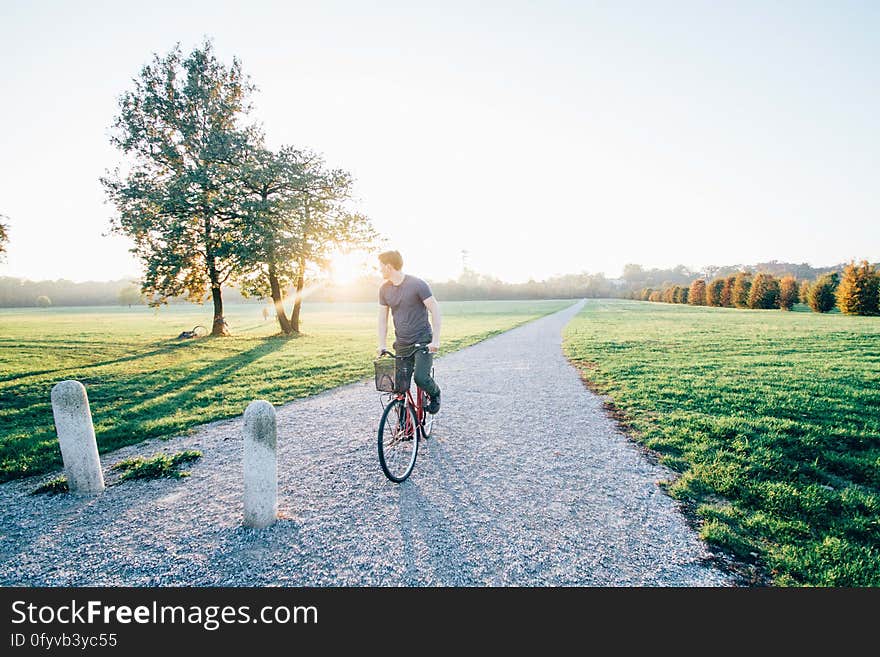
772,419
142,382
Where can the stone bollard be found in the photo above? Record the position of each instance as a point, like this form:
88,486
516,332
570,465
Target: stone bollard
76,436
260,469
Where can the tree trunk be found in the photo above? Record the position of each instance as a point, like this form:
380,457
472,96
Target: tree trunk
277,297
219,329
297,299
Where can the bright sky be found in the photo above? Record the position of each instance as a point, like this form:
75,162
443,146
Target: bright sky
541,137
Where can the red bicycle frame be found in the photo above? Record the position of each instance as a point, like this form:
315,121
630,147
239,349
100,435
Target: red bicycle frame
417,404
421,395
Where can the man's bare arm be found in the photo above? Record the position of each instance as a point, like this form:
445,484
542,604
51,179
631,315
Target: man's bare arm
436,321
382,330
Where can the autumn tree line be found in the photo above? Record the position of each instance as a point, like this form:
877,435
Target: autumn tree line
855,291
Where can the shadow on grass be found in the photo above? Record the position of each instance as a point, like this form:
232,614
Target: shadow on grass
158,351
180,396
38,453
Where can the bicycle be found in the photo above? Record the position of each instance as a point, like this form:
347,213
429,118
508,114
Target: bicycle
198,331
405,420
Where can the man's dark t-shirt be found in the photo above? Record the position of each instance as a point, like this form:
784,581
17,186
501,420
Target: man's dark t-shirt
408,309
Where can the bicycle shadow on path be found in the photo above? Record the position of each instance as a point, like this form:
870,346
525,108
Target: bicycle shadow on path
433,554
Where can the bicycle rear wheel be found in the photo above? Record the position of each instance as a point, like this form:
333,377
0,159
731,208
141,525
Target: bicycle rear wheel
398,440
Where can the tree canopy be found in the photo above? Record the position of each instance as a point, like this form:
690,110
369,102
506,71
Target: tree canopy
295,214
181,127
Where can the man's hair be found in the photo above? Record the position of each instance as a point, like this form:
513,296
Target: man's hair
392,258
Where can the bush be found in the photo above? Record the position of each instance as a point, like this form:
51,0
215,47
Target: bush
788,292
656,295
713,292
821,297
679,294
739,296
858,291
43,301
804,292
727,292
697,293
764,292
669,294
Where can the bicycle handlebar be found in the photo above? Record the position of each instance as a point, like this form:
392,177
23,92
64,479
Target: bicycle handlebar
416,347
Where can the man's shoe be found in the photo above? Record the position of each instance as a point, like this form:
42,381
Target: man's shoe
434,404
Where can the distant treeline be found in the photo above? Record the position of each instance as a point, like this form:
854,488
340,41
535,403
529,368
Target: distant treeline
19,292
635,281
471,286
16,292
23,293
854,291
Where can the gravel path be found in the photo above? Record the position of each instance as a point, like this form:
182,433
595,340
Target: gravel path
526,482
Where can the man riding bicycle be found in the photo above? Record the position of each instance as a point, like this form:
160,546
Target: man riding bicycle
410,300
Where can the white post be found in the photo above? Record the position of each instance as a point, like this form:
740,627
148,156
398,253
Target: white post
260,465
76,436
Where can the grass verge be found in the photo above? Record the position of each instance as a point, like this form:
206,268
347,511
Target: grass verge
771,421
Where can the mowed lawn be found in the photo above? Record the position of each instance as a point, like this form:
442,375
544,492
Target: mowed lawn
142,382
772,418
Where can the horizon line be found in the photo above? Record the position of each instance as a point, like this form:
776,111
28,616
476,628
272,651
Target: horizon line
136,278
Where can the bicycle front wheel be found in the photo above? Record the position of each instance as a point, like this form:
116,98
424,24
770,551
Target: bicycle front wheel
398,440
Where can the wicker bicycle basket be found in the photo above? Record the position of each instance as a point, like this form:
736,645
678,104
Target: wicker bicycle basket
392,374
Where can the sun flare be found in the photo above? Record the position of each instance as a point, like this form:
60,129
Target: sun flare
346,268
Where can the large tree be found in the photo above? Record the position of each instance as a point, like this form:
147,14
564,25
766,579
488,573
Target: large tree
269,183
181,128
295,215
325,224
